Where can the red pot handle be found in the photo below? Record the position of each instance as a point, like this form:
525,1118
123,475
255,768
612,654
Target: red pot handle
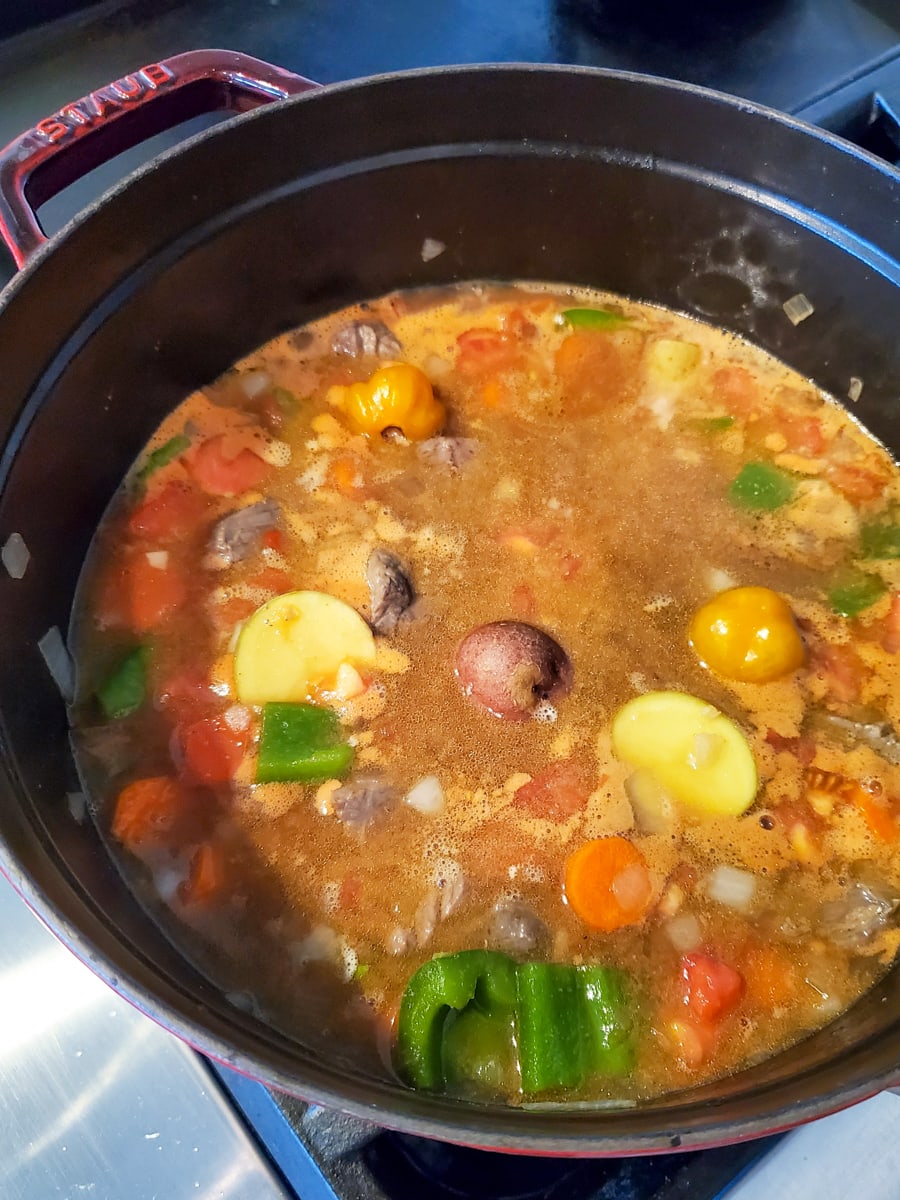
81,136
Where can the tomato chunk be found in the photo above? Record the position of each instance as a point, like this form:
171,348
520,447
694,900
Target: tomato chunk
556,794
212,751
153,593
170,514
711,988
224,475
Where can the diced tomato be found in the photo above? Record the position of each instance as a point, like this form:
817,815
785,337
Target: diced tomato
711,988
224,474
152,593
273,539
890,628
227,614
770,975
841,668
857,483
803,748
212,751
803,434
351,890
170,514
148,812
736,388
522,602
569,565
481,350
557,793
187,696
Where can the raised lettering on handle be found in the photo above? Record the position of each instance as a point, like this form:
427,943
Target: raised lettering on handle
70,143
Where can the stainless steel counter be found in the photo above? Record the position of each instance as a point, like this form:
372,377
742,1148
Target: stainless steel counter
97,1102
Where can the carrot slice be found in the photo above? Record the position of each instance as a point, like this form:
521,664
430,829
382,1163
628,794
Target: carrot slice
147,811
207,878
607,884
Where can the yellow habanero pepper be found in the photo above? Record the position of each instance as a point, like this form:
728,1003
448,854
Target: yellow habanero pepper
747,634
398,395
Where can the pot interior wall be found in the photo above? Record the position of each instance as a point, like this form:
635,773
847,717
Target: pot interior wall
658,192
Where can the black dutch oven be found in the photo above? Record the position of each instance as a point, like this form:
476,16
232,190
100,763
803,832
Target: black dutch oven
659,190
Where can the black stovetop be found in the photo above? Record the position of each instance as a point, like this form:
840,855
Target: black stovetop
836,62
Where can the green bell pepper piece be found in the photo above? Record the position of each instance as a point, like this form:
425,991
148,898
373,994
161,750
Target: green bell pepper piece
124,689
881,541
609,1012
479,1052
574,1022
483,979
594,318
554,1037
301,742
711,424
761,487
852,596
286,400
162,456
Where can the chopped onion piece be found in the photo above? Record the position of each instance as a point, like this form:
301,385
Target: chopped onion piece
77,805
253,383
320,945
798,308
684,932
854,391
427,797
718,580
432,248
59,663
237,717
732,887
349,961
632,887
15,556
158,559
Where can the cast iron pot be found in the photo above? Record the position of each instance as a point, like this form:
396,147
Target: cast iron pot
662,191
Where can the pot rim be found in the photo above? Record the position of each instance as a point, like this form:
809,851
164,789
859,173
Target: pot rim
497,1128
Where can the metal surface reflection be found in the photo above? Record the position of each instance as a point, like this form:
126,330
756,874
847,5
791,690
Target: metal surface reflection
99,1102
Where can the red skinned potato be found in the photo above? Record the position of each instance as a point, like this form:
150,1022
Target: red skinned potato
509,667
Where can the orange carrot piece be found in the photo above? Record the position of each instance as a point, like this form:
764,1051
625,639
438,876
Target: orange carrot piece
770,976
208,876
877,816
147,811
344,476
607,884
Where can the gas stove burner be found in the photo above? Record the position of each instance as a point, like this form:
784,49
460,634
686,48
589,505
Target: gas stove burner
412,1166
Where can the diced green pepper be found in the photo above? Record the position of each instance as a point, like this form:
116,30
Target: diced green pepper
286,400
124,689
554,1038
711,424
761,487
852,596
301,742
162,456
594,318
481,978
881,541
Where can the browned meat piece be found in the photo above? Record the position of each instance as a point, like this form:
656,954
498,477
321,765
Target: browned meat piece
236,535
854,920
360,801
453,452
516,929
366,337
390,588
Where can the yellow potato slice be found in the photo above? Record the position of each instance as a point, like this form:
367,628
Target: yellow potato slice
700,757
295,644
668,361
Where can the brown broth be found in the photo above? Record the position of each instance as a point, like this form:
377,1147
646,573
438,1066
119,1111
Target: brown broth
597,507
